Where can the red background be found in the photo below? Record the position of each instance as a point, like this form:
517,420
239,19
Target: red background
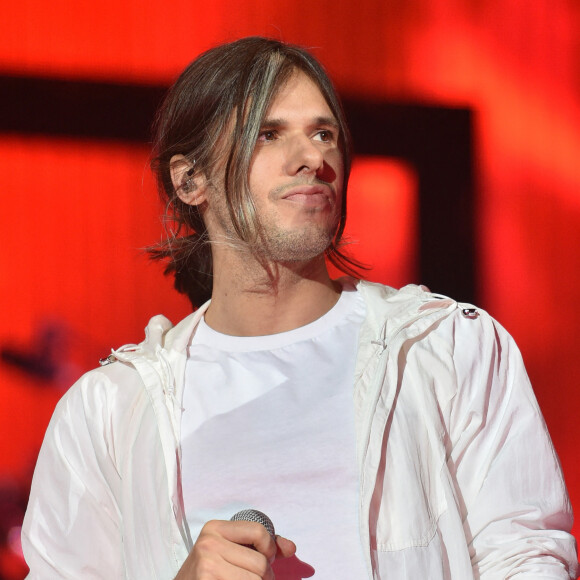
75,214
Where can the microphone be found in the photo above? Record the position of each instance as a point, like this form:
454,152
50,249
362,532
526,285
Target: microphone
252,515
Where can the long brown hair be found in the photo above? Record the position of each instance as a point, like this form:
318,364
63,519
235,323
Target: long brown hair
218,104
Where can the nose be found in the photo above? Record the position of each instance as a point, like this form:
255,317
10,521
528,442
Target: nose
304,156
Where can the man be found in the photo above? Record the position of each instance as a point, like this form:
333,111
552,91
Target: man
390,434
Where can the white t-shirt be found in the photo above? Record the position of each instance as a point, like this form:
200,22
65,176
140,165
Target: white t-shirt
268,423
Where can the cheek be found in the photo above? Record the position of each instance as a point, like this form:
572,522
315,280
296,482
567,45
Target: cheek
261,173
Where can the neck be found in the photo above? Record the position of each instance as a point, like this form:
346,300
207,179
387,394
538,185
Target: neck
254,299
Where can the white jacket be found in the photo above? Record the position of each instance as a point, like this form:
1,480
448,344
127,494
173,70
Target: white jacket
458,477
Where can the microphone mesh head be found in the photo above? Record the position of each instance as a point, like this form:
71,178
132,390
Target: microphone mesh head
254,516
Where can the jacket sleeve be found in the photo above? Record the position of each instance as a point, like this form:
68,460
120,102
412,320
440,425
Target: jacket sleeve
71,528
517,515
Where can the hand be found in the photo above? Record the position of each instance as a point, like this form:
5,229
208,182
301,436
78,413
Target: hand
222,552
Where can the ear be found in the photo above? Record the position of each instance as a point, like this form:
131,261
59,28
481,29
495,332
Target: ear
189,184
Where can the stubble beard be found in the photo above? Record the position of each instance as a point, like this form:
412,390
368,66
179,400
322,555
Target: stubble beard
292,246
276,243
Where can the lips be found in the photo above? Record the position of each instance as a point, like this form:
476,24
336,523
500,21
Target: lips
310,195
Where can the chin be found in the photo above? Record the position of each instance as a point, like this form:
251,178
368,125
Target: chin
295,247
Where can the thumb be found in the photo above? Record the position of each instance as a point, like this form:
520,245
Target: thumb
285,547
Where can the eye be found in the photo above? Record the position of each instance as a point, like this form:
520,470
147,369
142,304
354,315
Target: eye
268,135
325,135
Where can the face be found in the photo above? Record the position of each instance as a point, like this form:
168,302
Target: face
296,175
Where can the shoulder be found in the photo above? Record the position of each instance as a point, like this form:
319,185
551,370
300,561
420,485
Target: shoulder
100,398
411,303
414,311
126,378
442,340
471,362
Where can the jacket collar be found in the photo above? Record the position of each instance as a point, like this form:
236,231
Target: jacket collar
388,310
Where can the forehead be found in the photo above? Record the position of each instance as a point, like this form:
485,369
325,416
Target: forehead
299,97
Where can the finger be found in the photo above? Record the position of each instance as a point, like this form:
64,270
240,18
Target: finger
218,557
245,534
247,563
224,569
285,547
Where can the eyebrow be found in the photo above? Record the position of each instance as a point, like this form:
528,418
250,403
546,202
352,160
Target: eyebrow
279,122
